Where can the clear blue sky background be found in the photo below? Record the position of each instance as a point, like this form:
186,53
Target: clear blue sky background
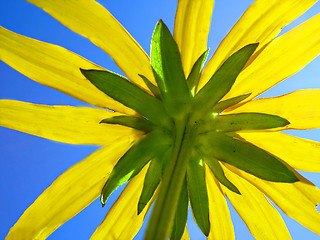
29,164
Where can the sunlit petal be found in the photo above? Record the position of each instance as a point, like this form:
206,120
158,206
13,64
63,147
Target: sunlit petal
185,235
122,220
75,125
53,66
261,23
69,194
298,200
299,153
300,108
282,58
262,219
191,28
220,221
91,20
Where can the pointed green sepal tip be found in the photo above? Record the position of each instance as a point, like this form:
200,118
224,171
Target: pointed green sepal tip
218,172
138,123
133,161
225,104
195,74
168,71
153,88
221,81
129,94
247,157
151,181
141,206
247,122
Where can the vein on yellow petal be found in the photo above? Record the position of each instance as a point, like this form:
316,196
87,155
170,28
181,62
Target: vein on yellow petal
91,20
301,203
191,28
122,220
69,194
75,125
55,67
282,58
300,108
221,226
261,23
261,218
301,154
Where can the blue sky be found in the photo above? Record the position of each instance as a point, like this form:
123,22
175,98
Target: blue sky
29,164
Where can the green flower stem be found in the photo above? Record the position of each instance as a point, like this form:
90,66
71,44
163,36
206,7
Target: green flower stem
162,217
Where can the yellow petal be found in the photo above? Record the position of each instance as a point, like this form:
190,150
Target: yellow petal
54,67
220,221
68,194
122,221
191,28
261,218
299,153
261,23
75,125
300,108
91,20
298,200
185,235
282,58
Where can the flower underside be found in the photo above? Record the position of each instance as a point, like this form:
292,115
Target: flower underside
184,132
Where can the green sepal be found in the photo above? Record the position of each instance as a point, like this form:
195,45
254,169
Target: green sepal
218,172
154,89
127,93
223,105
168,71
195,74
132,162
151,182
245,156
138,123
198,193
247,122
235,136
165,159
181,216
221,81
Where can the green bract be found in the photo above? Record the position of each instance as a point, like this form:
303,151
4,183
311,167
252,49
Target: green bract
147,148
185,132
130,121
198,193
130,95
168,71
218,172
181,215
195,74
151,181
221,82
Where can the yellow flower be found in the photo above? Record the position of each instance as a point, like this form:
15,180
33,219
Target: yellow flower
274,59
